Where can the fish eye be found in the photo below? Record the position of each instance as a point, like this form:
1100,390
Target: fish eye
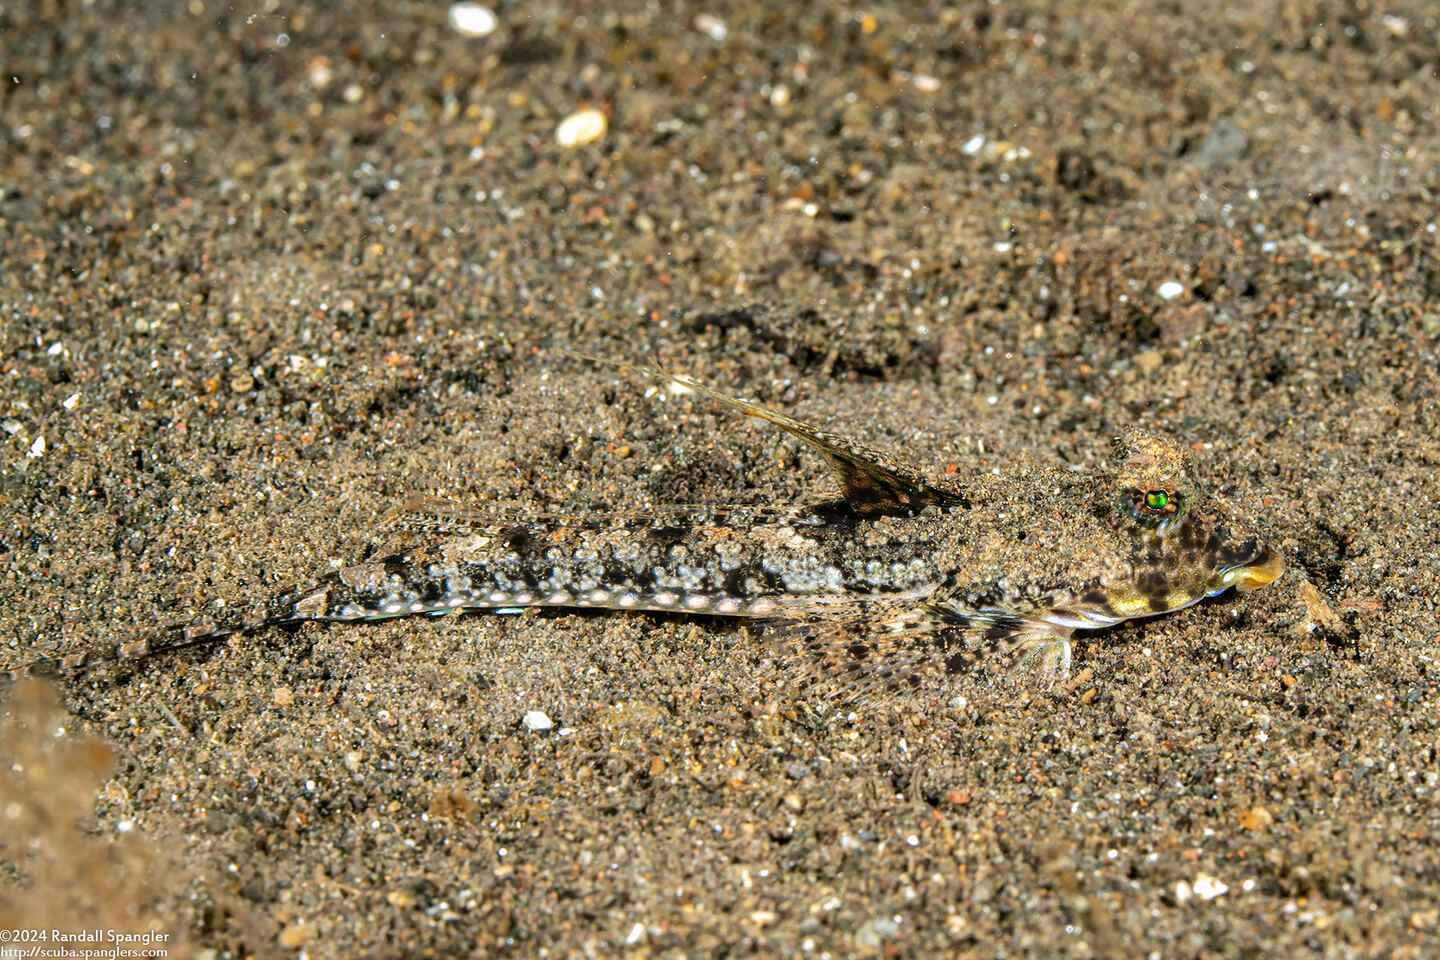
1157,507
1157,503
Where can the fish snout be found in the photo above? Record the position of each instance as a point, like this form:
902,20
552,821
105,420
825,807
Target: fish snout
1262,570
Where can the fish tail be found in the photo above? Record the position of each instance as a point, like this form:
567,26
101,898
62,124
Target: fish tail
284,608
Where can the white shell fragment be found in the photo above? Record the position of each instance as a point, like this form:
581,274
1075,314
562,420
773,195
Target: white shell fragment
472,19
537,721
1169,290
582,126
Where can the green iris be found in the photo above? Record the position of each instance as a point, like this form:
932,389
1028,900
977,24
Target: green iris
1156,500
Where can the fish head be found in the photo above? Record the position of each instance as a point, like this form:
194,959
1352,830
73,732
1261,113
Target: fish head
1184,541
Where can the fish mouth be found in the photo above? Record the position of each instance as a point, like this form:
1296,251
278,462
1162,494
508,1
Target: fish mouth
1264,569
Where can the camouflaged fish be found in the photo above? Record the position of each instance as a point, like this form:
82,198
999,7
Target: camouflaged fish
904,580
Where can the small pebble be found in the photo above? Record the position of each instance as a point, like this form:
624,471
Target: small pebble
1222,146
294,936
472,19
1149,362
319,73
537,721
1207,887
712,26
581,127
1169,290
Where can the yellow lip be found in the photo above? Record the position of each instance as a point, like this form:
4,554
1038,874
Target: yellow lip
1263,571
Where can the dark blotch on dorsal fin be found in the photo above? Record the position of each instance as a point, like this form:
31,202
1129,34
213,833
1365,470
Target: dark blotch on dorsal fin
873,483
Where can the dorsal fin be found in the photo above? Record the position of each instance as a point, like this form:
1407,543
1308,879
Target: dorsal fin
873,483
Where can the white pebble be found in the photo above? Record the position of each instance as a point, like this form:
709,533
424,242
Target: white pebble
320,74
537,721
37,449
1398,26
1207,887
973,145
472,19
711,25
581,127
1169,290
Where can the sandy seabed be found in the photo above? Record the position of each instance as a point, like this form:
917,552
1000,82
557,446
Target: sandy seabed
264,270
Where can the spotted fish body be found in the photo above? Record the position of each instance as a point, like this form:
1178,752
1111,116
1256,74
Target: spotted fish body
907,577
